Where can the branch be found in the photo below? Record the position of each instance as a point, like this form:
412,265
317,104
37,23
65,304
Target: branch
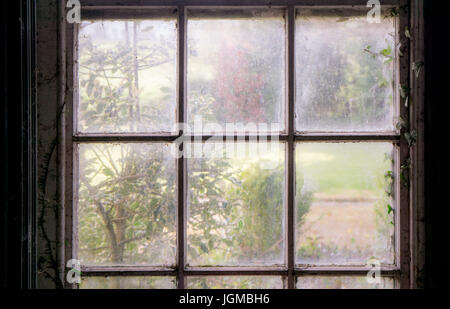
105,217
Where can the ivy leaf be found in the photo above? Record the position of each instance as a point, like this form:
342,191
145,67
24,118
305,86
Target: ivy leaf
401,123
417,66
386,52
407,33
389,208
411,137
404,169
388,175
399,49
393,12
404,91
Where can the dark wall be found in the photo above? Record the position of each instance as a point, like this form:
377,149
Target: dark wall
17,144
437,87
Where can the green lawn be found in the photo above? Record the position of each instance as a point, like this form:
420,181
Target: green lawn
336,168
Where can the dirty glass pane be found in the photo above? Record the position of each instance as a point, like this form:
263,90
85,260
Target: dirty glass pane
344,203
343,282
236,67
344,71
234,282
128,283
235,205
126,204
127,76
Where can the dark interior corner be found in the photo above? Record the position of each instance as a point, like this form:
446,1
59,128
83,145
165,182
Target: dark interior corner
18,140
436,109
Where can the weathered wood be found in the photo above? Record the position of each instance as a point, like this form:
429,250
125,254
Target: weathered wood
159,3
417,121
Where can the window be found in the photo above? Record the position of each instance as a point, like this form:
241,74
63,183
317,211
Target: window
239,147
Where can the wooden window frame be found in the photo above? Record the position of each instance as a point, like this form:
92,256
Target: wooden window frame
409,198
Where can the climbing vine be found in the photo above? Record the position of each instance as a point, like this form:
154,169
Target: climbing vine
402,124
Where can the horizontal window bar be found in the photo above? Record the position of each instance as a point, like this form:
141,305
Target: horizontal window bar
206,271
318,270
346,137
162,3
96,13
126,271
171,138
230,271
234,12
123,138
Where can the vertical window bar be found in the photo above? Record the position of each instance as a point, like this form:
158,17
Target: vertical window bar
404,156
290,153
72,151
181,245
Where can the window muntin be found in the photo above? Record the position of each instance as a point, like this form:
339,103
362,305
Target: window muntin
185,272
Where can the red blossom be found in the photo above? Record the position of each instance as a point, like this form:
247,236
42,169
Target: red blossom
239,86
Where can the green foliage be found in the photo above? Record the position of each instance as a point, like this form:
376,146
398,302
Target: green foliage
245,205
411,137
261,196
417,67
126,192
208,209
407,33
404,172
393,12
261,201
314,248
404,90
354,87
134,203
127,204
109,71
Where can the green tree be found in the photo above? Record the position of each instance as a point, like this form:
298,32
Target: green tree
126,198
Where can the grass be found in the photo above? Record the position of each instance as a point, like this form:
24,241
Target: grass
346,170
348,185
